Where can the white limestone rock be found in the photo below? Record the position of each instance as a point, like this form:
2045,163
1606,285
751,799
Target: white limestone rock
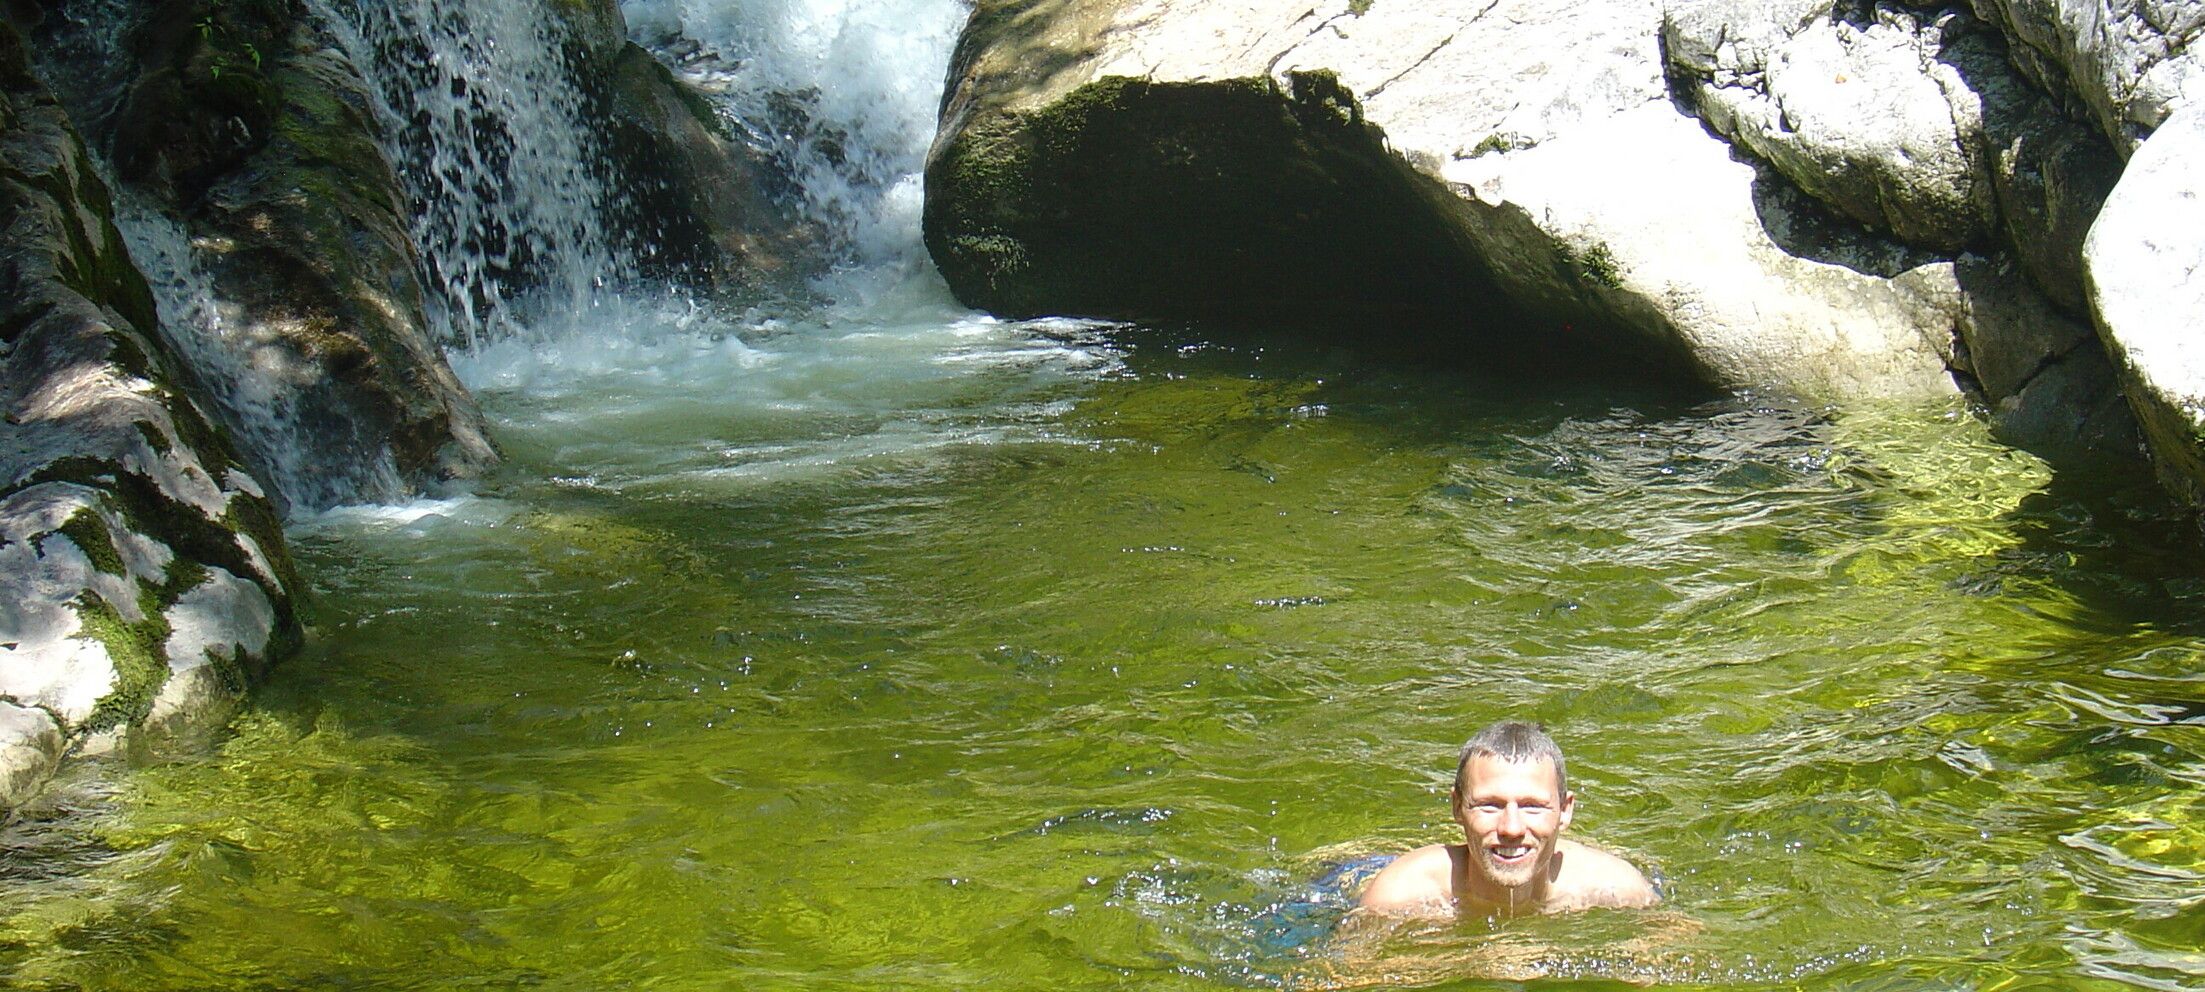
2131,63
118,503
1590,197
2144,266
1863,116
30,749
213,629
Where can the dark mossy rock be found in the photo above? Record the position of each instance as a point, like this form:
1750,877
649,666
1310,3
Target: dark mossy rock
691,202
311,240
240,121
145,574
202,100
694,200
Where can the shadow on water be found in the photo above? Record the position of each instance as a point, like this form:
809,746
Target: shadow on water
2107,535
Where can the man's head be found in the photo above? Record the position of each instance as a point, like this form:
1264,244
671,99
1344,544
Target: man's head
1512,798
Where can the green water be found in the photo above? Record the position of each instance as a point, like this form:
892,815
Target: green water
1075,664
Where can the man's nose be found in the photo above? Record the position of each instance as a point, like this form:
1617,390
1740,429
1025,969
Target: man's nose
1512,820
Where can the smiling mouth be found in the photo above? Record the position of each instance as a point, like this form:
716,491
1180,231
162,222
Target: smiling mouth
1510,852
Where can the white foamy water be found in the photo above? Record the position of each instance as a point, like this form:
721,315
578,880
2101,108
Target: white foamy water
843,94
669,396
687,403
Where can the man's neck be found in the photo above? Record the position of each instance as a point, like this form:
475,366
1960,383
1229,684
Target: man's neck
1476,897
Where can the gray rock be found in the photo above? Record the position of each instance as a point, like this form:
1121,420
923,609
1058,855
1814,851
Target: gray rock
1861,114
2144,265
2048,383
118,501
2128,63
1541,142
1909,121
697,197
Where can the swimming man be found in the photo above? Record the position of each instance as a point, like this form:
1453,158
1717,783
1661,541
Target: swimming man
1513,802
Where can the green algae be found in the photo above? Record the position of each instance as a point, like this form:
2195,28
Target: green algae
1079,709
139,653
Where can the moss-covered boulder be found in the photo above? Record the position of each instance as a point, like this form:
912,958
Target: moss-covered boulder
692,198
248,148
143,573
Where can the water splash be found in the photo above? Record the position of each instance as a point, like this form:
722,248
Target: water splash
489,133
842,94
254,379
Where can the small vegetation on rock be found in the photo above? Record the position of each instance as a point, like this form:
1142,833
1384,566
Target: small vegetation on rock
1594,264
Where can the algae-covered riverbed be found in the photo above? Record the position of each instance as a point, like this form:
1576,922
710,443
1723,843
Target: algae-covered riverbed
960,655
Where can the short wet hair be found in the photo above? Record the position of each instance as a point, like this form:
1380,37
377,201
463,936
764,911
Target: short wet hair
1513,740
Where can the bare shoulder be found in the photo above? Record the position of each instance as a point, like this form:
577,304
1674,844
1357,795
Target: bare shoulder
1419,883
1592,878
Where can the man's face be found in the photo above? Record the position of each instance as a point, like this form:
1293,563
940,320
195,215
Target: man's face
1512,815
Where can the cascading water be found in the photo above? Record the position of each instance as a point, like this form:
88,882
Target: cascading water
250,378
843,94
248,374
487,129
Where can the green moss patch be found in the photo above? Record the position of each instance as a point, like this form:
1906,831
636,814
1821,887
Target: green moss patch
88,532
1595,264
139,654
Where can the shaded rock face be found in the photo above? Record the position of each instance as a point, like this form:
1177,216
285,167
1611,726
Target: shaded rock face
243,136
1135,198
1830,199
143,574
693,198
2145,263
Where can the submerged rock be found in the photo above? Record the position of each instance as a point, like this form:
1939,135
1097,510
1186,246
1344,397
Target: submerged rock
2145,261
143,574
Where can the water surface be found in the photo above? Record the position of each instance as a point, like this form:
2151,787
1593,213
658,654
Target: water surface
939,653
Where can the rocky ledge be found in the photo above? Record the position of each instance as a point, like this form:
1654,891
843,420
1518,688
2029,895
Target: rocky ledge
143,576
1824,197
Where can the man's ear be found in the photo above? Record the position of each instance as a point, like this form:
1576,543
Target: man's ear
1569,808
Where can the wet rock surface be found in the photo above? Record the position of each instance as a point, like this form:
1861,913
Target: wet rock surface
143,573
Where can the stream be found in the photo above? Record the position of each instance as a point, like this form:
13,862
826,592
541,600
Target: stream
883,644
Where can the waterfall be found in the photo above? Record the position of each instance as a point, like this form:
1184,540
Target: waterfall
487,129
250,378
842,94
249,374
